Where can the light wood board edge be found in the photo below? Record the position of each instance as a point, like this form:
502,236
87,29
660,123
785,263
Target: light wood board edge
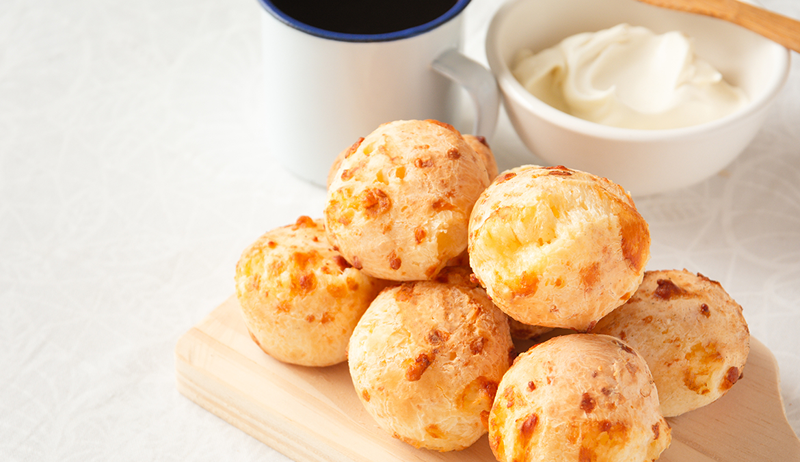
313,415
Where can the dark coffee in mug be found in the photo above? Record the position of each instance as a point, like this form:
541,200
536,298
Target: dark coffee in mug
364,17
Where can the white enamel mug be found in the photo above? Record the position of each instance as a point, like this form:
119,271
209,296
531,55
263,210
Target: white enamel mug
326,88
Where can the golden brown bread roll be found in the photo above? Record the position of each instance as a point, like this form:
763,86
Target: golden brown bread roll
557,247
426,359
300,299
691,333
477,143
578,397
337,162
398,207
481,147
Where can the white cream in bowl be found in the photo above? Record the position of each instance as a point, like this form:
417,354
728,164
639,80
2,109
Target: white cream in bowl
629,77
641,161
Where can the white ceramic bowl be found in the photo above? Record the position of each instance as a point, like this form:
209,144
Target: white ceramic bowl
641,161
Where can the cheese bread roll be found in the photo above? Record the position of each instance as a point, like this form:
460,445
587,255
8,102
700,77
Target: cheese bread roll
398,207
300,299
426,359
337,162
481,147
477,143
578,397
691,333
557,247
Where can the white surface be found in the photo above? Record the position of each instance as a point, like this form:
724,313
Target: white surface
133,173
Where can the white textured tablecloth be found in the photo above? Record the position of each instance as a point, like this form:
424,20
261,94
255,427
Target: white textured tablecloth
133,173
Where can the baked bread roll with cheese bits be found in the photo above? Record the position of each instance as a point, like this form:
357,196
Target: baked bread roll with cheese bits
398,207
426,359
481,147
557,247
578,397
691,333
477,143
300,299
337,162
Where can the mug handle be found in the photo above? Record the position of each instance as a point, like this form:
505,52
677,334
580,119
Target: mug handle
479,83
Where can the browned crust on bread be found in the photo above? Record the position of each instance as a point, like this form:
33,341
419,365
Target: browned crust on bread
692,334
301,299
398,205
429,355
557,247
577,397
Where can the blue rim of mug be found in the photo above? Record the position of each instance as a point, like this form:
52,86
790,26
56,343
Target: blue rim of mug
345,37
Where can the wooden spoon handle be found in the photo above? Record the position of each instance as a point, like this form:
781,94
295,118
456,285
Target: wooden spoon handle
776,27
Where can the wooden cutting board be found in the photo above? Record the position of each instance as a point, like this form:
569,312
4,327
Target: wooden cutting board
313,414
